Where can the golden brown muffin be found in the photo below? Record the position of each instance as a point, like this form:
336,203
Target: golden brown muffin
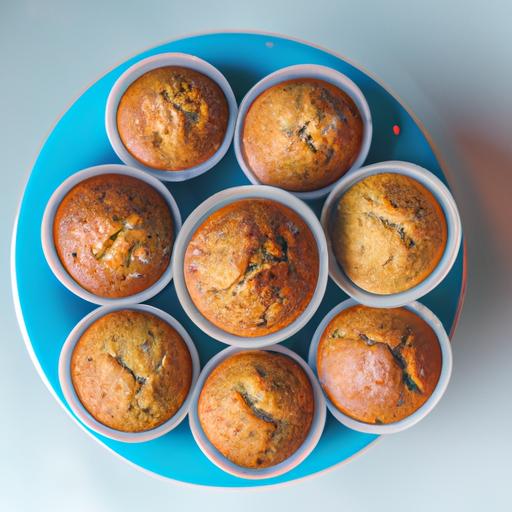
172,118
251,267
378,365
301,135
113,234
256,408
131,370
388,233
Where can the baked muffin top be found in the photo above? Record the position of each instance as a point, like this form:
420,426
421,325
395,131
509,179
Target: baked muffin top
378,365
251,267
113,234
302,134
256,408
131,370
172,118
388,233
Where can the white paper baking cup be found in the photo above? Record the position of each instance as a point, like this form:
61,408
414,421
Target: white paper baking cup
48,244
444,378
454,233
158,61
200,214
81,412
315,432
305,71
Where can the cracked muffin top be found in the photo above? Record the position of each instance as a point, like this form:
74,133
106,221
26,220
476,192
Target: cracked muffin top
251,268
113,234
172,118
301,135
131,370
378,365
256,408
388,233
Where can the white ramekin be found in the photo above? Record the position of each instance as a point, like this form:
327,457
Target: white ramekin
305,71
48,244
199,215
454,235
81,412
158,61
444,378
315,432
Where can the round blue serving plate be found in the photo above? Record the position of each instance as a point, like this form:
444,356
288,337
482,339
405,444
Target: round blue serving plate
47,311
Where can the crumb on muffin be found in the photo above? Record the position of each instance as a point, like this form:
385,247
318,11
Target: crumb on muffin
131,370
256,408
252,266
388,233
172,118
302,134
378,365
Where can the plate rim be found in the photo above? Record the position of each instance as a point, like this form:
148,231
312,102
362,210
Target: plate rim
14,286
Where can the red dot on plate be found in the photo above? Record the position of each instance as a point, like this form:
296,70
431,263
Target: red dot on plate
396,129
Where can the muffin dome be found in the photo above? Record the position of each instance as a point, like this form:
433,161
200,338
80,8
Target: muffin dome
378,365
251,268
388,233
172,118
301,135
113,234
131,370
256,408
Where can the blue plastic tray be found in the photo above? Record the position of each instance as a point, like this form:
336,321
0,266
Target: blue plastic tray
47,311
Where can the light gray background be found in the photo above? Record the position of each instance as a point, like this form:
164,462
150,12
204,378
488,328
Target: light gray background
451,62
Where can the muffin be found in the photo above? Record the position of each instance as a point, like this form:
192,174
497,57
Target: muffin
113,234
388,233
301,135
131,370
256,408
172,118
378,365
251,268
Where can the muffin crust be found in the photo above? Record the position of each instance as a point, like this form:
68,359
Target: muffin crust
302,134
378,365
131,370
251,268
172,118
388,233
113,234
256,408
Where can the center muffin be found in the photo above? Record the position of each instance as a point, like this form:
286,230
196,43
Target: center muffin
378,365
251,268
131,370
172,118
302,134
114,234
256,408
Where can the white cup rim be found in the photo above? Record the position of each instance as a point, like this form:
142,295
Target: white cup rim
157,61
48,242
327,74
216,202
454,228
444,378
314,434
81,412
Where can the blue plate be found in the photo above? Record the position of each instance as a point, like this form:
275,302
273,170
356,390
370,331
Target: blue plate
47,311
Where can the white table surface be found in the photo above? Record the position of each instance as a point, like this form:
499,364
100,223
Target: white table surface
451,62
